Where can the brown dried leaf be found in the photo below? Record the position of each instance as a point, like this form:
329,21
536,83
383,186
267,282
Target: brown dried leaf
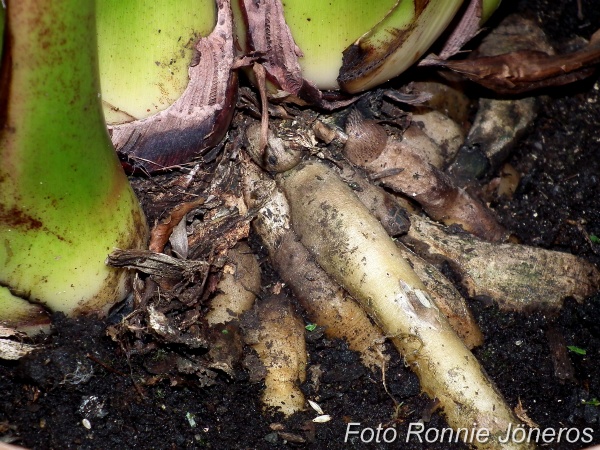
524,70
160,233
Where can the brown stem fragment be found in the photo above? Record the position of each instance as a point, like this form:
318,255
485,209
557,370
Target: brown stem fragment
199,119
260,73
418,179
158,265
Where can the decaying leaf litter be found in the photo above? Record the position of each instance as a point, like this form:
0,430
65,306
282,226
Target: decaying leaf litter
404,171
224,216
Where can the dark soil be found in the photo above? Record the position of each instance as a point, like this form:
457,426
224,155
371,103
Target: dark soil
84,374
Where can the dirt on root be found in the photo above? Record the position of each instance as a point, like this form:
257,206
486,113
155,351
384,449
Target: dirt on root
83,391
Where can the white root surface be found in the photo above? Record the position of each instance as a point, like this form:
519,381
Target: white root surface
353,248
446,297
275,332
447,98
518,277
238,287
388,211
325,301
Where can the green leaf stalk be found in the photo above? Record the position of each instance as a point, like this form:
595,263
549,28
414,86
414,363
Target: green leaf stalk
65,202
144,49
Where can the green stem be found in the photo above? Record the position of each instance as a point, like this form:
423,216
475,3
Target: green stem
65,202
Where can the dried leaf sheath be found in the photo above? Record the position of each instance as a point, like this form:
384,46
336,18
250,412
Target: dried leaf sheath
467,28
525,70
199,119
269,36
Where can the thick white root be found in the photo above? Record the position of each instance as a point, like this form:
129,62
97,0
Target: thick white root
277,335
518,277
394,220
446,297
355,250
238,287
325,302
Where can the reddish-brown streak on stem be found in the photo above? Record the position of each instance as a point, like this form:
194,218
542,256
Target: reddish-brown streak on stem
17,218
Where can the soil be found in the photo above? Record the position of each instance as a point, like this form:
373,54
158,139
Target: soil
83,391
